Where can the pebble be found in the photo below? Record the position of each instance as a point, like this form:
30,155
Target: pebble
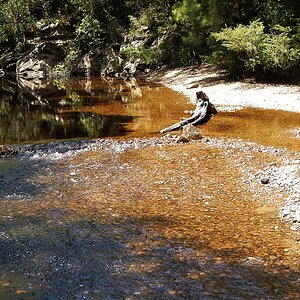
284,174
265,180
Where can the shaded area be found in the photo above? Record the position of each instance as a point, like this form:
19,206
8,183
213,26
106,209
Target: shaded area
17,178
49,256
210,76
57,254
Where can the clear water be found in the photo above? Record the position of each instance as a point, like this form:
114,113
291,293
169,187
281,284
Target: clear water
172,222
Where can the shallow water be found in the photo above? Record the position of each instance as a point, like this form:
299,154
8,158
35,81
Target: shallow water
268,127
165,222
161,222
85,108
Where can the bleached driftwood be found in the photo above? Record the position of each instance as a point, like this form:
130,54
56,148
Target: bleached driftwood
203,112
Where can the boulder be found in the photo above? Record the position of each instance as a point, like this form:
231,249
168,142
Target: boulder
32,68
87,65
39,62
189,132
8,62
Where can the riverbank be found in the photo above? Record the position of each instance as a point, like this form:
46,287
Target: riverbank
226,94
229,95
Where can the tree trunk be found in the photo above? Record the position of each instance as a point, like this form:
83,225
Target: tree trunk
203,112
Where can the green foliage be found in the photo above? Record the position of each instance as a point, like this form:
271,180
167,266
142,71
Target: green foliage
278,52
89,34
273,12
175,32
196,14
149,28
110,15
64,69
150,56
195,19
15,20
256,50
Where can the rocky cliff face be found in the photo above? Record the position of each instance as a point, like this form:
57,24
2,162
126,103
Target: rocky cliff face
43,56
39,62
50,48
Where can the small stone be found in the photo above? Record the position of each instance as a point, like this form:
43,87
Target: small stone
191,133
265,180
182,139
252,261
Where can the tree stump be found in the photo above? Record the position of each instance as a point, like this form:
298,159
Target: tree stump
203,112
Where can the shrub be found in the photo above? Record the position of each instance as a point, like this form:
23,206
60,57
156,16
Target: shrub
15,19
254,50
89,34
64,69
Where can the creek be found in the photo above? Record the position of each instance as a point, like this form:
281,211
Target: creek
137,216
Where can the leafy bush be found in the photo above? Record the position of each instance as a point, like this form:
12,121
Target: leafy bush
254,50
89,34
64,68
15,20
143,55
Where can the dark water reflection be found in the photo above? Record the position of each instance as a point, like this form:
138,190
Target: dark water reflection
46,111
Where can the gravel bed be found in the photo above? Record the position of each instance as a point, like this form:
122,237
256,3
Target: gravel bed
282,177
59,150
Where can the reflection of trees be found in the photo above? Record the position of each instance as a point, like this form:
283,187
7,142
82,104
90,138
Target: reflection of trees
81,90
103,125
26,115
125,89
26,123
22,121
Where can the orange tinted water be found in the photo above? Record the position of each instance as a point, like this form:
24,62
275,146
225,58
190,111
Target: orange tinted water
268,127
168,222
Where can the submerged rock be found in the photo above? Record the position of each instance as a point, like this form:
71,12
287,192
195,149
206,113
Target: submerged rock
189,132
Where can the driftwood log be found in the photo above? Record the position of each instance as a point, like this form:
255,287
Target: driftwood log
203,112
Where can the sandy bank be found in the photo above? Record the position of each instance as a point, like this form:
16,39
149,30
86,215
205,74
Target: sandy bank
227,94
